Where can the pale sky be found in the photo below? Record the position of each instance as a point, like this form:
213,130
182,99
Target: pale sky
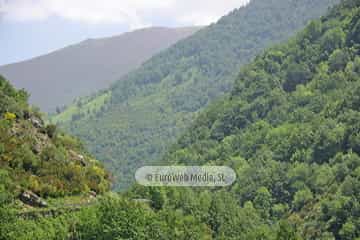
29,28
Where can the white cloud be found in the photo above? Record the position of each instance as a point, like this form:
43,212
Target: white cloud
134,13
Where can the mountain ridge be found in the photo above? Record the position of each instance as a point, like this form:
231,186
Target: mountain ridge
133,122
290,130
91,65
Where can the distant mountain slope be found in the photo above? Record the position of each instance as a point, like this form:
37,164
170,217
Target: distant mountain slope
84,68
133,123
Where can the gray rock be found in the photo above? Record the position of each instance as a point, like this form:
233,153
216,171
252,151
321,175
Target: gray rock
78,157
93,194
36,148
30,198
36,122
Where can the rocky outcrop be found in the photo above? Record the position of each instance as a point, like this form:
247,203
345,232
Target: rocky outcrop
92,194
32,199
78,157
36,122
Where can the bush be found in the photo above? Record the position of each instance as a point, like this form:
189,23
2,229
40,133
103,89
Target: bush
9,116
51,130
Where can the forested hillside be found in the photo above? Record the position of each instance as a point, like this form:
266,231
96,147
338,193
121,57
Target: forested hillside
290,129
132,123
58,78
50,188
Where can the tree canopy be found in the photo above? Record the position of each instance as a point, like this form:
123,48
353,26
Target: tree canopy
147,110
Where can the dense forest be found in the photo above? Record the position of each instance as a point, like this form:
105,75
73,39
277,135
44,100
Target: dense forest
134,122
289,128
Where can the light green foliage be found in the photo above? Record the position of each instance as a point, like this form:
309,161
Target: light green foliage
37,157
113,217
301,198
82,107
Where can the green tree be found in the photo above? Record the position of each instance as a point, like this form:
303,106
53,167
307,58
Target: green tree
295,75
338,60
301,198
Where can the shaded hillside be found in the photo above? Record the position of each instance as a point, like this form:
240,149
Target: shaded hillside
132,123
89,66
290,129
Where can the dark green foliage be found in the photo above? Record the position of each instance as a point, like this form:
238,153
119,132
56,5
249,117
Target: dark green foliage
153,105
338,60
290,129
333,39
287,232
51,130
296,74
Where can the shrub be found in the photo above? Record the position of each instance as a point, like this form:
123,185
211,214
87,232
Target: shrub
51,130
9,116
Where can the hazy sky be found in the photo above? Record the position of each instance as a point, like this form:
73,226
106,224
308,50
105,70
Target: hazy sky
29,28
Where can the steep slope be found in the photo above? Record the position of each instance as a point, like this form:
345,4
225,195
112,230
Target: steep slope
89,66
290,129
36,157
36,160
133,122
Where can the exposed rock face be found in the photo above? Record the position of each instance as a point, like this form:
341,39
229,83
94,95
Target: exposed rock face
32,199
36,148
36,122
78,157
92,194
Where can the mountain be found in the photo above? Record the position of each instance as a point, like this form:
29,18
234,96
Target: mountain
132,123
290,129
89,66
51,188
